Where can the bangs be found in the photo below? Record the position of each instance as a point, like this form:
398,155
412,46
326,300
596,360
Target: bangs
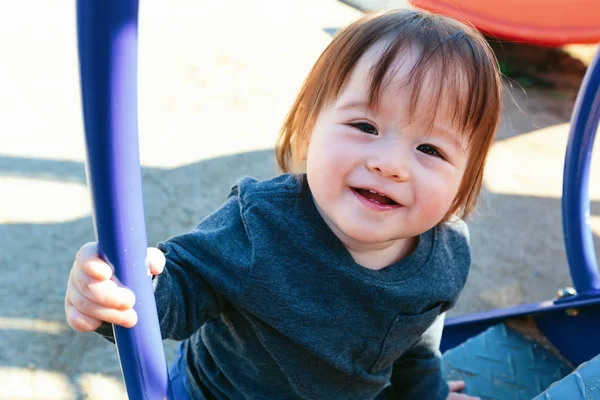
442,72
453,62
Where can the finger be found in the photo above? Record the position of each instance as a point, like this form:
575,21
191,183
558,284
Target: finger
456,385
84,305
97,268
87,259
87,252
106,293
156,259
78,321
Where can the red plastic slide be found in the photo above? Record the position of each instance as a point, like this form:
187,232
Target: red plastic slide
545,22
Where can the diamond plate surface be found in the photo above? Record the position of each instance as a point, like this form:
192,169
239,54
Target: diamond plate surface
583,383
501,364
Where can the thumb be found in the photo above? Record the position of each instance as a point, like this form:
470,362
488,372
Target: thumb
156,260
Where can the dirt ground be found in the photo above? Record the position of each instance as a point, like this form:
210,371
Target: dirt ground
215,82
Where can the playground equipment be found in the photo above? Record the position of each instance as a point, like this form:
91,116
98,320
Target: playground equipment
544,22
107,32
568,324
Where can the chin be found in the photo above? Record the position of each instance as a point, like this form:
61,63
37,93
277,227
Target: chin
371,236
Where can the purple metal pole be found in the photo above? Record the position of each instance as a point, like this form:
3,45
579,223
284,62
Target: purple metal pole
107,33
579,242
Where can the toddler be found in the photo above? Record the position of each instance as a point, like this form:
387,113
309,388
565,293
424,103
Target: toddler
331,280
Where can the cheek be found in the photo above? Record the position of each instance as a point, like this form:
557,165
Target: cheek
437,191
329,152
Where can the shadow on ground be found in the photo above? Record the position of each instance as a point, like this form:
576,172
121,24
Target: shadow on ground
175,200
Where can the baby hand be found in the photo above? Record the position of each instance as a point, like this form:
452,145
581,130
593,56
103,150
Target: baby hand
94,294
456,386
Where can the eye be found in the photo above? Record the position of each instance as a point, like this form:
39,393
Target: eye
365,127
430,150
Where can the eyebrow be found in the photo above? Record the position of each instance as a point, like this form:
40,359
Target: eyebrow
360,104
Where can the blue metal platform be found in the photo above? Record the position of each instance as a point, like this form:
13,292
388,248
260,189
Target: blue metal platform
502,364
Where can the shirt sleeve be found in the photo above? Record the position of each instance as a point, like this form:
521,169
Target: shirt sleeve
205,270
418,373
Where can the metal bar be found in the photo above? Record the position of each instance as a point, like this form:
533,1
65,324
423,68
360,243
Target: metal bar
107,41
579,242
523,309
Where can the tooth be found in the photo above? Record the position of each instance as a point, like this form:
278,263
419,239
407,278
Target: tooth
372,191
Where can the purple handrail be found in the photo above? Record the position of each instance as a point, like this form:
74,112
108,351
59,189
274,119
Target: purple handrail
579,242
107,39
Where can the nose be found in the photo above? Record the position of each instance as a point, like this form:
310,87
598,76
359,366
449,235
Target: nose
391,163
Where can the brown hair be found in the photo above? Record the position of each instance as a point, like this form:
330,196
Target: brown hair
454,52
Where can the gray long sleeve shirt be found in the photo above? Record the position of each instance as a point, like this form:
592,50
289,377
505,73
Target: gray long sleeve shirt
272,305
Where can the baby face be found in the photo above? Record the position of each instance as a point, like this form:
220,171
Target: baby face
377,176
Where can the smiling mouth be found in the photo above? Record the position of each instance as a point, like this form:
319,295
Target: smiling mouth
375,197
